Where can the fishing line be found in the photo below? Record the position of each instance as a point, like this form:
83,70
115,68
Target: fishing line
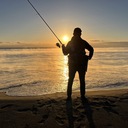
57,44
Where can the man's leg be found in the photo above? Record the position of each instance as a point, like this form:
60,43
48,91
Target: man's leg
82,81
72,72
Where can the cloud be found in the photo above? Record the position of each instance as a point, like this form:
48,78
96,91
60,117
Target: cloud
111,44
10,42
97,41
18,42
5,42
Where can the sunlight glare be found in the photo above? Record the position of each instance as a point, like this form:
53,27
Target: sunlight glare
65,68
65,38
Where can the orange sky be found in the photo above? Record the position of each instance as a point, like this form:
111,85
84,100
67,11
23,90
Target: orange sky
100,21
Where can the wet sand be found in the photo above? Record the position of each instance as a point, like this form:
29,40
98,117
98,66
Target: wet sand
100,109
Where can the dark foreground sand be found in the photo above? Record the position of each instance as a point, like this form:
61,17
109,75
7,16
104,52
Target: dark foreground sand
101,109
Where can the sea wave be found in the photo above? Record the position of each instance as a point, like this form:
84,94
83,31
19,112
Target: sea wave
116,85
38,88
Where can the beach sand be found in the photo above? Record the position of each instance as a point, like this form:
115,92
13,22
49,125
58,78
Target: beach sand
101,109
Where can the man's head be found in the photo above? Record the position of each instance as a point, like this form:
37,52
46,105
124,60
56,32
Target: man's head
77,32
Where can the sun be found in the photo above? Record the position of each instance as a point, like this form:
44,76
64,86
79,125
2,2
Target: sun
65,38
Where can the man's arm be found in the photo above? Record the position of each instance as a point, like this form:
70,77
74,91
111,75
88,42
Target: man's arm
90,49
65,50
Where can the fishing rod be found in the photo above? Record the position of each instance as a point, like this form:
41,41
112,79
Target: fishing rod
57,44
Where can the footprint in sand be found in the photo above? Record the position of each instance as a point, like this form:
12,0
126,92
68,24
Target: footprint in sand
60,119
7,106
44,118
34,109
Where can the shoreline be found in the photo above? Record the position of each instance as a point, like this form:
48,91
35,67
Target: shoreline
101,109
105,92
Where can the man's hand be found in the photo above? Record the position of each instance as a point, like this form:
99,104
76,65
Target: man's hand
89,58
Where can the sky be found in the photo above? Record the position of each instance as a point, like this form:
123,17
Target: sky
100,20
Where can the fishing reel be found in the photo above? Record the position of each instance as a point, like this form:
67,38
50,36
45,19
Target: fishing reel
58,45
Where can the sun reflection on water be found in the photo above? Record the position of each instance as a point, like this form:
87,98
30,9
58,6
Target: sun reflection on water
65,68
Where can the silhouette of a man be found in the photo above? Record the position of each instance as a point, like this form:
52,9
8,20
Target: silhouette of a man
77,60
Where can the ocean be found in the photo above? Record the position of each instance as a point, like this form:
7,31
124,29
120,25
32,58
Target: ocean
39,71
